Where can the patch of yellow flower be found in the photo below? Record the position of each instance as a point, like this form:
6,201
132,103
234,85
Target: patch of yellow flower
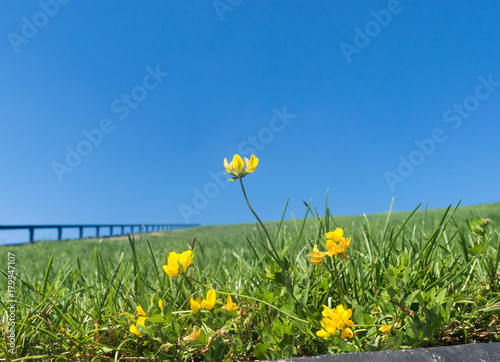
172,268
336,319
230,306
237,168
336,244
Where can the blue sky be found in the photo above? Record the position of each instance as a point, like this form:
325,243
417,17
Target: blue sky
371,100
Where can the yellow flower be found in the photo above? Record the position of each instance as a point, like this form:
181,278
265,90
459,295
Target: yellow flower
172,267
317,256
385,329
186,259
195,304
134,329
230,306
209,303
193,336
160,304
141,311
337,318
237,168
337,244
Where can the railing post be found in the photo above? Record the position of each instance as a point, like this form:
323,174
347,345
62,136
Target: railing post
123,229
110,230
81,232
32,235
97,228
59,233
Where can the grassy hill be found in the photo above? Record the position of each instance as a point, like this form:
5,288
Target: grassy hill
388,281
33,258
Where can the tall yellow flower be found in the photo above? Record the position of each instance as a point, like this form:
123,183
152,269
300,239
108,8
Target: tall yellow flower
317,256
160,304
237,168
230,306
209,303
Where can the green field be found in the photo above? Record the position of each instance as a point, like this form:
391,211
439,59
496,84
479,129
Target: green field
430,275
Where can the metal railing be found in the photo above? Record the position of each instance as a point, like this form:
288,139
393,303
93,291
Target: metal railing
145,228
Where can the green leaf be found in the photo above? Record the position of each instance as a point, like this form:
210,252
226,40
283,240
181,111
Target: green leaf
413,332
260,351
476,249
158,318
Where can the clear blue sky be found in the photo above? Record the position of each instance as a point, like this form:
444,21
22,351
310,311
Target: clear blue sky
360,82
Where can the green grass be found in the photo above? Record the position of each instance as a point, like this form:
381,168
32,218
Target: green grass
427,272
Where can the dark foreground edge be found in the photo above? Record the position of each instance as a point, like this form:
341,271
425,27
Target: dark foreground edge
466,352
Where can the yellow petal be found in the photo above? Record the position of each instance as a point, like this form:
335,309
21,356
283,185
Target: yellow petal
209,303
193,336
194,305
141,321
173,258
228,167
332,247
186,259
230,306
134,330
160,304
385,329
251,164
335,235
347,332
238,164
171,270
141,311
322,333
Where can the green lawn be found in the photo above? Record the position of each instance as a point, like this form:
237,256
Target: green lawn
430,277
32,258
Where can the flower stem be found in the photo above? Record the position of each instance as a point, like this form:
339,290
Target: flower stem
338,282
276,256
255,214
252,298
